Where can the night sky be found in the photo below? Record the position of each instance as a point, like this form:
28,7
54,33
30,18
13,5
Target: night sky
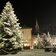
28,11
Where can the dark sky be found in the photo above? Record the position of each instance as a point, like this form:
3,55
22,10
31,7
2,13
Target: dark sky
29,11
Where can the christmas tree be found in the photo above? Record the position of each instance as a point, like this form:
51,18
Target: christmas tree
10,33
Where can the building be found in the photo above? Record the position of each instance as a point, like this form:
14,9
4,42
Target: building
27,36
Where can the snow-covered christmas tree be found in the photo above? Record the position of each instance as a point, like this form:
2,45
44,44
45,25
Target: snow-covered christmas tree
10,33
